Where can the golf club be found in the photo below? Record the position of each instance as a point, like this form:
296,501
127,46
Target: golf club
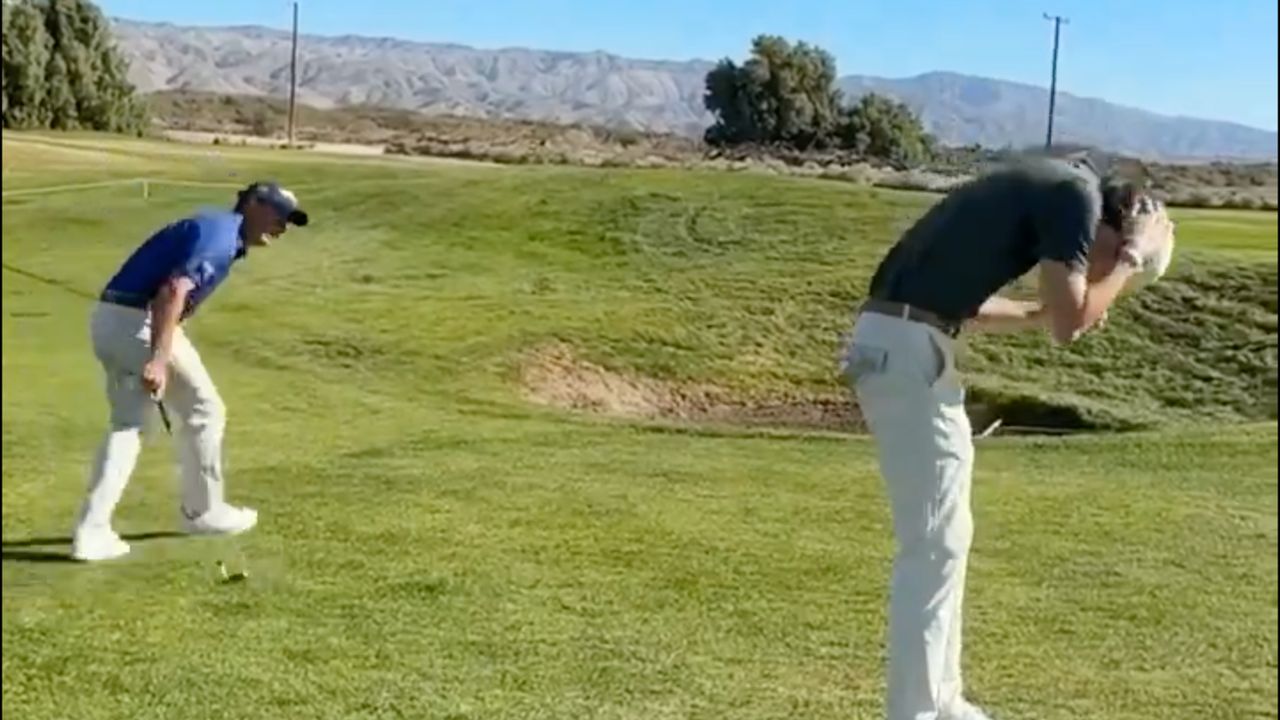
164,414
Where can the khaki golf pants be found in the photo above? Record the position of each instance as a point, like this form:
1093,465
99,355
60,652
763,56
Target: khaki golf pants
122,343
903,374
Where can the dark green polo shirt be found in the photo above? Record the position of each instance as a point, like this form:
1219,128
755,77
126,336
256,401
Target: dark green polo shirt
991,231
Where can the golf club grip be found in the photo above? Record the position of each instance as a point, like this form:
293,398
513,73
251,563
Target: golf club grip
164,416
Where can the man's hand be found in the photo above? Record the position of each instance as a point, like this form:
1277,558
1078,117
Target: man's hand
1148,240
155,375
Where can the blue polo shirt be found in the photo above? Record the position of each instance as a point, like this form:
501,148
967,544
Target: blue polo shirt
202,248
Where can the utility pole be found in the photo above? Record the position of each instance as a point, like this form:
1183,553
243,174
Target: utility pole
293,74
1058,21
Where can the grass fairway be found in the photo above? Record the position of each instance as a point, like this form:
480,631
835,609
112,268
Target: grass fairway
434,545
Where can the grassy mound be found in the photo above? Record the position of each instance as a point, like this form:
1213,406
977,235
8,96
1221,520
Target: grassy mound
741,282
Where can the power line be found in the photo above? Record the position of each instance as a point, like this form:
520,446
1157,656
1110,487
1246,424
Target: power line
1058,22
293,74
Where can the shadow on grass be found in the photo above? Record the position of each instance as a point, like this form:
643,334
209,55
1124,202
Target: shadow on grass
36,556
11,553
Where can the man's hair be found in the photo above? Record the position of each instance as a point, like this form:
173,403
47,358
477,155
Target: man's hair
243,197
1119,200
1125,203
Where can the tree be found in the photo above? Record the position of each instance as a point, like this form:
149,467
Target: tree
782,94
26,53
786,95
726,97
65,58
880,127
63,71
4,83
104,97
59,100
261,123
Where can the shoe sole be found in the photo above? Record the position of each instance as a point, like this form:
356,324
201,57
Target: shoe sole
91,558
211,531
228,533
190,528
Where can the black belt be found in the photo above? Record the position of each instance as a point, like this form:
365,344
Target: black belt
910,312
129,300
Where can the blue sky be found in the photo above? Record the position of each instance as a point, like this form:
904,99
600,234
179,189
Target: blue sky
1178,57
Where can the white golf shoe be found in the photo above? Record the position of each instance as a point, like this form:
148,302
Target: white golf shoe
221,519
966,710
97,543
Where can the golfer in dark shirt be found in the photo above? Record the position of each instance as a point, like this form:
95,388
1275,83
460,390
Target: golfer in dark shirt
1088,238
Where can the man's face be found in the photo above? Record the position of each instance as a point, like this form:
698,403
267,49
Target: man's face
262,223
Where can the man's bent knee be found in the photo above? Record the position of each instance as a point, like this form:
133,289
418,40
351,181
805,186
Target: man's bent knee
209,412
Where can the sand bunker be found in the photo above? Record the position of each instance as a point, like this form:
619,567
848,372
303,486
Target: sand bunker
555,376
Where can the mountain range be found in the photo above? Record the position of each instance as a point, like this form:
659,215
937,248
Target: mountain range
650,95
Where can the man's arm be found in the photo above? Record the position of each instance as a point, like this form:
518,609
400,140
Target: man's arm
1001,314
170,301
194,267
166,310
1082,271
1073,304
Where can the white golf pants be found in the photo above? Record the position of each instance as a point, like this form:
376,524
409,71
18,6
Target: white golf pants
122,343
903,374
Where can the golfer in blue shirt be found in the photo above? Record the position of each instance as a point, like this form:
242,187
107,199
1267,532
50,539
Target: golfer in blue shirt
137,336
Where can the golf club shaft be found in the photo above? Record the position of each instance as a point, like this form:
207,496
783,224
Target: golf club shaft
164,416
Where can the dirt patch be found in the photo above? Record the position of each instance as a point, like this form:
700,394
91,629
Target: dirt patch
554,376
363,150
